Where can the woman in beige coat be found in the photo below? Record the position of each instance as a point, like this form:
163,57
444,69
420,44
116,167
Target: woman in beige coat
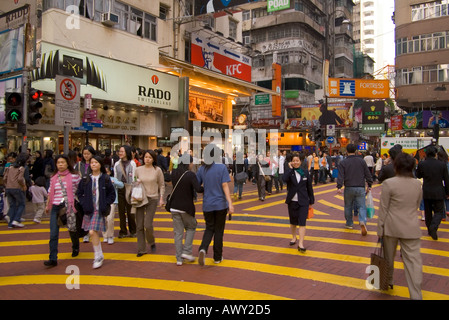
399,203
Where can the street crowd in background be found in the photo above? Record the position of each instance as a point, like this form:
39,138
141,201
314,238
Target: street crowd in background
82,191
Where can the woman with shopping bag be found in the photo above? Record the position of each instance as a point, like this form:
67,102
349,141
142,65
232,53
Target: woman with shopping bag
397,223
299,199
151,179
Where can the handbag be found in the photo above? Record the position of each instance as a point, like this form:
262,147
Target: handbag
267,178
62,215
66,216
137,193
241,177
167,203
310,213
378,260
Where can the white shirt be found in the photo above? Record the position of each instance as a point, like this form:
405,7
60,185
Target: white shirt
281,164
97,191
298,178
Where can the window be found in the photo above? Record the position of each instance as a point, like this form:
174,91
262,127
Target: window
233,29
136,21
163,12
422,43
430,10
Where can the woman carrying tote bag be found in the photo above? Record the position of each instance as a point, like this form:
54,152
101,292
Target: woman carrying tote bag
152,179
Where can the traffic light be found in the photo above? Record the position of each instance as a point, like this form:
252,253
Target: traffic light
33,107
312,135
14,107
318,135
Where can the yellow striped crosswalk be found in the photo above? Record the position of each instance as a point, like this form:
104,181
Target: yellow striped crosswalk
256,240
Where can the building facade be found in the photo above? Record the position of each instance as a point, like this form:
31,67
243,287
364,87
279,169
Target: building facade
422,54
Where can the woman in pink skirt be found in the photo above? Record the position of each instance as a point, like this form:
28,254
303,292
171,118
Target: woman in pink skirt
96,194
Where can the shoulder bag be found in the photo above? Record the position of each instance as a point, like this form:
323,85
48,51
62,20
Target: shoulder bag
66,216
167,203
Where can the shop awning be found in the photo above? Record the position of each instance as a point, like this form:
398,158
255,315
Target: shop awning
204,78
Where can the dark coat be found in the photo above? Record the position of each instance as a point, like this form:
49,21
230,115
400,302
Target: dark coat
435,179
106,196
182,198
303,189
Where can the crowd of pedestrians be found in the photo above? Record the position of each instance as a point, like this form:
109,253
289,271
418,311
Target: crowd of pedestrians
82,192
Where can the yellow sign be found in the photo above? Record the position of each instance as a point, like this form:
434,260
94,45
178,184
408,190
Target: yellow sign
359,88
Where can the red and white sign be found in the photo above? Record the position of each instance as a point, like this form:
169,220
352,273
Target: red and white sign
67,101
215,57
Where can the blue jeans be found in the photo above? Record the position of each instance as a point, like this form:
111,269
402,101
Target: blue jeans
16,200
238,186
54,235
355,196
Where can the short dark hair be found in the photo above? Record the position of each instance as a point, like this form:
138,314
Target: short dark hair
351,148
431,151
404,165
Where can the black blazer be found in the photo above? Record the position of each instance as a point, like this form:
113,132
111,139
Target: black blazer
106,196
182,198
435,178
303,189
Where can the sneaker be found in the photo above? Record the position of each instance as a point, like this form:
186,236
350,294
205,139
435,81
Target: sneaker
98,262
36,221
201,257
364,231
105,239
17,224
179,263
349,227
188,257
111,240
218,261
86,239
7,218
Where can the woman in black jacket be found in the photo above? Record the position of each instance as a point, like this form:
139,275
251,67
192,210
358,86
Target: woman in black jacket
96,193
299,198
182,207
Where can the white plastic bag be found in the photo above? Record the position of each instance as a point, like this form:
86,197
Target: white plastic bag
136,193
369,205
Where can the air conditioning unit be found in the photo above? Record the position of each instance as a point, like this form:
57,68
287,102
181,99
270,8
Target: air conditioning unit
109,19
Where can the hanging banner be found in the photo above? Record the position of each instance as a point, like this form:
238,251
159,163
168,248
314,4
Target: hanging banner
373,112
396,123
209,6
213,56
359,88
276,86
316,115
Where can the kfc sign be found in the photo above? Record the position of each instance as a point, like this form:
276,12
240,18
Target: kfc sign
213,56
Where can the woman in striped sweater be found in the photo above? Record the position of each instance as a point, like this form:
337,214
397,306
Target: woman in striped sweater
70,179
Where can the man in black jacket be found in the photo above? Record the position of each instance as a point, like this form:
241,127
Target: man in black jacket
435,189
352,173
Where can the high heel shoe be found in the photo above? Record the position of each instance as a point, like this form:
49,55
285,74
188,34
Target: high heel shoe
302,250
292,243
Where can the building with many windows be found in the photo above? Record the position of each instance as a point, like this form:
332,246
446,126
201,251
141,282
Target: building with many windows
422,54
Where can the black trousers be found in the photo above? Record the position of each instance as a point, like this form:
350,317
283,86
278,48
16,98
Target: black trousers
434,211
215,225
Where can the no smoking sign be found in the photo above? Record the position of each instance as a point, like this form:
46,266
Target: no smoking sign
67,102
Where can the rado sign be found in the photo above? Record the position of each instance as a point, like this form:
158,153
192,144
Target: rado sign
117,81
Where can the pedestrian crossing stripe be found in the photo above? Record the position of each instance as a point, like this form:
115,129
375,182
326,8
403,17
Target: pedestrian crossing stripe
214,291
196,288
